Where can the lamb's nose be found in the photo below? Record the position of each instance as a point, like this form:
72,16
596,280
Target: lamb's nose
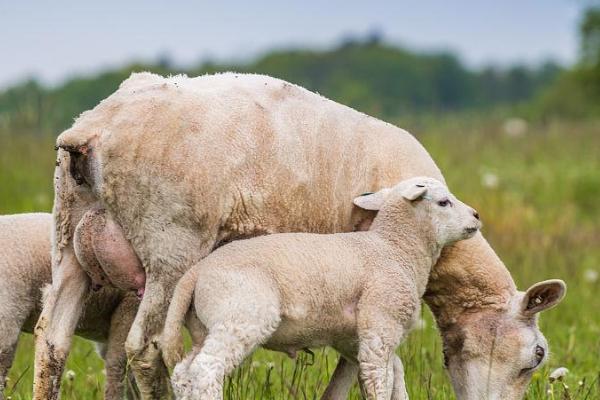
475,214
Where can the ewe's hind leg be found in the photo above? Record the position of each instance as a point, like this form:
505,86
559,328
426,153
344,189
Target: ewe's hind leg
142,344
142,341
115,360
55,328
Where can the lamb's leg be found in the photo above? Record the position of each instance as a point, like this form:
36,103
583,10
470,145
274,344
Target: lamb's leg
9,336
115,357
240,321
225,347
345,373
341,381
7,354
54,331
13,313
376,367
399,392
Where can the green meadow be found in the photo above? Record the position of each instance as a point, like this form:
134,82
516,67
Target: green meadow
538,193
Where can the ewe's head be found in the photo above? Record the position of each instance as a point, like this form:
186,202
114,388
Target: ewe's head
429,203
493,354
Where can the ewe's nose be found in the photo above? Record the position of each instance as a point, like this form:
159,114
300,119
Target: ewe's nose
475,214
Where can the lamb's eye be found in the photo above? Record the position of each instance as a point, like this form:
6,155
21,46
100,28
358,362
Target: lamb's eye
444,203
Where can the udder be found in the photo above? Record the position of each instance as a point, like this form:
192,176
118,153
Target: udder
106,255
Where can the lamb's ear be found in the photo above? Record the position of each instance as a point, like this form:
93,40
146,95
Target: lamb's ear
542,296
414,192
371,201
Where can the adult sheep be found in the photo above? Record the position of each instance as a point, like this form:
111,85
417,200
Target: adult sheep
184,165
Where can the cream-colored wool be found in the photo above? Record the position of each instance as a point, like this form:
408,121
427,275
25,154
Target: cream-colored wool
25,271
187,164
358,292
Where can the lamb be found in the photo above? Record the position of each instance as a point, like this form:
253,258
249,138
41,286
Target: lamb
358,292
25,268
184,165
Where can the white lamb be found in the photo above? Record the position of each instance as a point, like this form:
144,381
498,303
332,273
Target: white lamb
358,292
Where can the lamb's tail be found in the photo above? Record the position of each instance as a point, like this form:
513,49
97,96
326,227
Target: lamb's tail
171,340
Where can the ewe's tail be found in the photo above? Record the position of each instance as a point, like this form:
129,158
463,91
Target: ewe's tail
171,341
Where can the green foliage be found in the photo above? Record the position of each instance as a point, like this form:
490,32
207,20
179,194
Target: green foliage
371,76
589,31
576,93
540,213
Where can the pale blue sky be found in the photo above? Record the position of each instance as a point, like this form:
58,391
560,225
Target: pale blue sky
55,39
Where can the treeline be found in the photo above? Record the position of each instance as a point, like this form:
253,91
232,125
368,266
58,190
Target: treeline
576,94
368,74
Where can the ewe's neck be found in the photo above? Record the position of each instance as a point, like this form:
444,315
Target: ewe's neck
410,240
468,277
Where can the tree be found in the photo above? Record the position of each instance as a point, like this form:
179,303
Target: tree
589,31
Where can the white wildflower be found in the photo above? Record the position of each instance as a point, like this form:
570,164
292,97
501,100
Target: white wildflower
70,375
590,275
515,127
420,324
490,180
558,374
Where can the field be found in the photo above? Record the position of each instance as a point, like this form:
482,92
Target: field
538,193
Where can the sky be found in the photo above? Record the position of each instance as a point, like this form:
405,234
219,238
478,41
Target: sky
53,40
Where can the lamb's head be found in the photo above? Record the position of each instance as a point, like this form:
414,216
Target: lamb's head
493,354
430,203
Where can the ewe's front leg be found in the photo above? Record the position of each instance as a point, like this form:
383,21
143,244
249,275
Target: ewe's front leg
54,331
341,380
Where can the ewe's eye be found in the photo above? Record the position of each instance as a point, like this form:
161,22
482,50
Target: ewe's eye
444,203
539,354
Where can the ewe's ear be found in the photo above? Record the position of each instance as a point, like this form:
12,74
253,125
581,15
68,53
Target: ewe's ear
542,296
414,192
371,201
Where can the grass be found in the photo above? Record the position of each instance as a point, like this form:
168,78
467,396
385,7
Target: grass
539,196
